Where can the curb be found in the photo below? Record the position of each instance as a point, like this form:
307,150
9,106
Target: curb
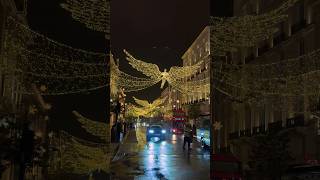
116,150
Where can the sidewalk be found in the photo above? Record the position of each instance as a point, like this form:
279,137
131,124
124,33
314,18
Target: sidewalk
130,137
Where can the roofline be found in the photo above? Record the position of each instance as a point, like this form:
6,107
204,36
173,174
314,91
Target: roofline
193,43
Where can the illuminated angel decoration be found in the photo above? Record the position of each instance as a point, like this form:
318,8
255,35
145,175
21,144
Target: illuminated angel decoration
119,79
146,104
173,76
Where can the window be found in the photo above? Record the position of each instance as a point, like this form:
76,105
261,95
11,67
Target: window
298,20
2,78
280,35
20,5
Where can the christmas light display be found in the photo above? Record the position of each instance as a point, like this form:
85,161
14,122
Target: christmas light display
129,83
95,14
195,86
281,70
279,100
95,128
135,111
229,34
292,77
139,111
31,58
79,156
173,77
20,34
146,104
145,108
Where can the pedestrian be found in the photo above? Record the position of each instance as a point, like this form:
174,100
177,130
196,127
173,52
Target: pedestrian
118,131
124,128
113,133
187,136
194,129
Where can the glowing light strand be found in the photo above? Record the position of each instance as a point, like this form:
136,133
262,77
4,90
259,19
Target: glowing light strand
95,14
229,34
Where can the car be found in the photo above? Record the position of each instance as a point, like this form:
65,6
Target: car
156,131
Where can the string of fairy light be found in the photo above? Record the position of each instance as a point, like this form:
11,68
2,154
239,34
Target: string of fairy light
95,128
32,58
174,76
64,70
282,83
94,14
144,108
280,97
119,79
79,156
286,77
229,34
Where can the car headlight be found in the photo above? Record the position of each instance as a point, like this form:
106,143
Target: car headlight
151,131
163,131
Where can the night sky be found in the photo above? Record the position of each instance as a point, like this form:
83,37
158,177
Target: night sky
156,31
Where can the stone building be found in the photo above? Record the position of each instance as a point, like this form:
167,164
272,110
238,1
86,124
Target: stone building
20,107
199,51
171,101
298,35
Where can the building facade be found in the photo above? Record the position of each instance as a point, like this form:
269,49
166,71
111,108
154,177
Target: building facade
22,108
299,34
199,51
8,85
172,100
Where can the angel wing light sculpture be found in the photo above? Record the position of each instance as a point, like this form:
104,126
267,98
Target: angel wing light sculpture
146,104
173,76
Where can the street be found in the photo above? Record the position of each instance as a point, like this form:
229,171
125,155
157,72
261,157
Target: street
166,160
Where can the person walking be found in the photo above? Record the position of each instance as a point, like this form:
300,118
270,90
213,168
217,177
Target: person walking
187,136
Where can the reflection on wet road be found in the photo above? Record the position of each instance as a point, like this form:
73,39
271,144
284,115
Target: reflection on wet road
138,159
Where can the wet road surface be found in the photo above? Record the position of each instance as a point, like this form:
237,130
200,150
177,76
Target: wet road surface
166,160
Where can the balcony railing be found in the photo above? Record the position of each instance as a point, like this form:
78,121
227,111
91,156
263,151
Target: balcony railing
295,122
258,130
245,133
